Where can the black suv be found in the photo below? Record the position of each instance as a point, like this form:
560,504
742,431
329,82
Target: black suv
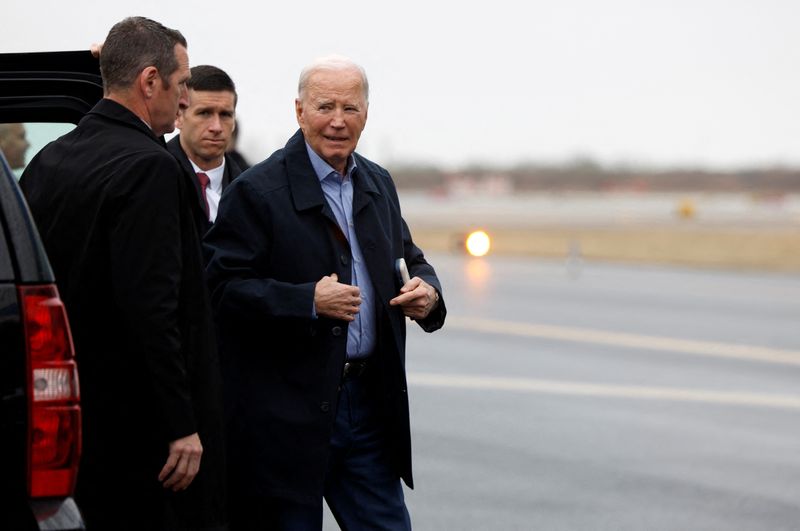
40,418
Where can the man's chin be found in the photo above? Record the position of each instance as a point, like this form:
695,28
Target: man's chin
164,130
339,154
334,159
210,152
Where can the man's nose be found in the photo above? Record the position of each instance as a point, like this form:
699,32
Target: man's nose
215,124
338,119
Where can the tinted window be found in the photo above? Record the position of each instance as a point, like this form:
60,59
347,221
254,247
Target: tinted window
21,142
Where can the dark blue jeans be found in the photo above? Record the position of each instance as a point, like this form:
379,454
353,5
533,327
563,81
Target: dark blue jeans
361,487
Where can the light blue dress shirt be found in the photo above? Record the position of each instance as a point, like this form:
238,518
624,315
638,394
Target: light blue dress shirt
338,190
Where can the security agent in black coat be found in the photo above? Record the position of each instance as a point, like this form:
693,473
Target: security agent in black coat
113,210
275,237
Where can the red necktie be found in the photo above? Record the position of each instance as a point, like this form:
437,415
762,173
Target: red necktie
204,180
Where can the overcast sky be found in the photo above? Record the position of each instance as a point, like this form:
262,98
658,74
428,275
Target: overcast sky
678,82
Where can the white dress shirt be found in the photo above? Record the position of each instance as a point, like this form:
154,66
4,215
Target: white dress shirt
214,190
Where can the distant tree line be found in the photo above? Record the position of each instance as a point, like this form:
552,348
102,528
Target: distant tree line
585,175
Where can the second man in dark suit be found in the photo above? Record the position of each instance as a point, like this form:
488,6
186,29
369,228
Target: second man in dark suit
207,127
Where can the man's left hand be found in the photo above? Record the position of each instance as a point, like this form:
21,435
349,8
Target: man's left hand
417,298
183,463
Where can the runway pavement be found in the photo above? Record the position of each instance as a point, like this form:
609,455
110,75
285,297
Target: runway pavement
564,396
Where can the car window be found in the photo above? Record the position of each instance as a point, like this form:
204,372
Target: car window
15,137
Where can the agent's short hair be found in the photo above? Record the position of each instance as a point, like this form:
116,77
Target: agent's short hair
332,62
212,79
134,44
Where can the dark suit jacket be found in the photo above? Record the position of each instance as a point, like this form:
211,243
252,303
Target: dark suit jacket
232,171
275,236
112,207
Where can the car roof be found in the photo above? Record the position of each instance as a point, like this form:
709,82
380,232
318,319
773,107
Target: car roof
48,86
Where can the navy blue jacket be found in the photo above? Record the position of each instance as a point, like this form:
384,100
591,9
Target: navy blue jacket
274,238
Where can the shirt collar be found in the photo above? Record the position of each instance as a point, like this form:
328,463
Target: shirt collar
323,169
214,174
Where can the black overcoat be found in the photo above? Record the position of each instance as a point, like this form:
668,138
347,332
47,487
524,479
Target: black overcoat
275,236
112,207
231,172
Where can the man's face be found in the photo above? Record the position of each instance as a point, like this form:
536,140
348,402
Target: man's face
170,95
13,144
207,126
332,113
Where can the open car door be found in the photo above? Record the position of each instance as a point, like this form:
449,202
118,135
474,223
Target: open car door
44,95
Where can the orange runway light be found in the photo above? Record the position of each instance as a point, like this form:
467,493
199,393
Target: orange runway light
478,243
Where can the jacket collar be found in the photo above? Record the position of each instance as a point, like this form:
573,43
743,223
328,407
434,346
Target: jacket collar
304,183
116,112
174,147
363,186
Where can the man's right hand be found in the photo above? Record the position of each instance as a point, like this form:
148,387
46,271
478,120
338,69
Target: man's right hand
335,300
183,462
96,48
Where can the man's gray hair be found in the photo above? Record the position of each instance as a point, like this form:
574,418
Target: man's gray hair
132,45
335,63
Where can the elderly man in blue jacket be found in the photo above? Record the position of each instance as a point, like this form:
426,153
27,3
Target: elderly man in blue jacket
311,315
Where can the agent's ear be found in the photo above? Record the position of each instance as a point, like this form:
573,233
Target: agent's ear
147,81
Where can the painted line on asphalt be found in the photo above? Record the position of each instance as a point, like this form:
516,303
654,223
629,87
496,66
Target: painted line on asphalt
529,385
619,339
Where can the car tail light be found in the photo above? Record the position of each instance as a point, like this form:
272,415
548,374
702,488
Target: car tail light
54,423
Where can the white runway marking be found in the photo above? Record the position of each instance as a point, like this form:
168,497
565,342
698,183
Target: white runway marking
619,339
529,385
